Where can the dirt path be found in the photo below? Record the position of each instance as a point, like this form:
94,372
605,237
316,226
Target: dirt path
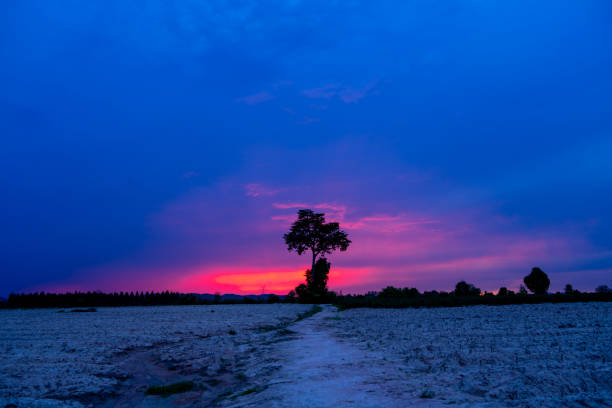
319,370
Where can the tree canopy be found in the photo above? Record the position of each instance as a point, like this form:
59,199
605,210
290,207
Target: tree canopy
537,281
311,232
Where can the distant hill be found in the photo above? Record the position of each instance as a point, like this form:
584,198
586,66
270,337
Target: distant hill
230,296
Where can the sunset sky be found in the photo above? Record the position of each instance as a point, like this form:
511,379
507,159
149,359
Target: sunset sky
168,144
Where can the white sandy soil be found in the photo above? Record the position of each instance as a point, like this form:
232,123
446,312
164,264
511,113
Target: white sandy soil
519,356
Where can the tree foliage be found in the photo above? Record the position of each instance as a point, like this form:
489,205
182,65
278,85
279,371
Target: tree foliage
317,284
537,281
310,232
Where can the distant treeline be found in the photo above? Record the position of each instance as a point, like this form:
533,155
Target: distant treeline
465,294
100,299
410,297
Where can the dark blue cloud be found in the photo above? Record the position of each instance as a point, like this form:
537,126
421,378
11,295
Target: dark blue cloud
106,105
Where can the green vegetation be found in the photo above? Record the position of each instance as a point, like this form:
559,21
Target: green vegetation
247,392
167,390
427,394
315,309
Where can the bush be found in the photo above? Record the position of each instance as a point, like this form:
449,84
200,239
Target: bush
427,394
503,291
167,390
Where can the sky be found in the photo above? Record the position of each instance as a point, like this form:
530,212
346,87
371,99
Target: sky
168,144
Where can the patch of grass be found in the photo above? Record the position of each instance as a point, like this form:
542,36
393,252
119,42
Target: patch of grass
427,394
167,390
268,328
247,392
88,310
315,309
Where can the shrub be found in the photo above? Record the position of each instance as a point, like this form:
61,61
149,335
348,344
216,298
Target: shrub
602,289
427,394
503,291
167,390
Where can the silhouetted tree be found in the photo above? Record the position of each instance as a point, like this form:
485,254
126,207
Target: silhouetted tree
602,289
410,292
466,289
569,290
317,284
390,292
522,291
537,281
273,299
503,291
290,297
303,294
310,232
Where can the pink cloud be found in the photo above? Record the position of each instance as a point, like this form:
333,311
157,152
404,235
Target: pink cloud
190,174
255,98
335,212
347,94
221,239
258,190
308,120
353,95
323,92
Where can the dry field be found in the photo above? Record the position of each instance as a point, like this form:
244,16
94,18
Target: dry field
257,355
546,355
85,357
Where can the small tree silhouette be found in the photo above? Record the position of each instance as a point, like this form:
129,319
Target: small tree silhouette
303,293
390,292
310,232
569,289
537,281
466,289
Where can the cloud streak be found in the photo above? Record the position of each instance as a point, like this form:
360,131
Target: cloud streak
346,94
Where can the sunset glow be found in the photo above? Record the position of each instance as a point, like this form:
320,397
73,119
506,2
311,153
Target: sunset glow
445,154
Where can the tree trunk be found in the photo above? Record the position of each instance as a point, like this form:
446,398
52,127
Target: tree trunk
312,271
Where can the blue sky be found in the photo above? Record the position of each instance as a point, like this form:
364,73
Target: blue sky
486,124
